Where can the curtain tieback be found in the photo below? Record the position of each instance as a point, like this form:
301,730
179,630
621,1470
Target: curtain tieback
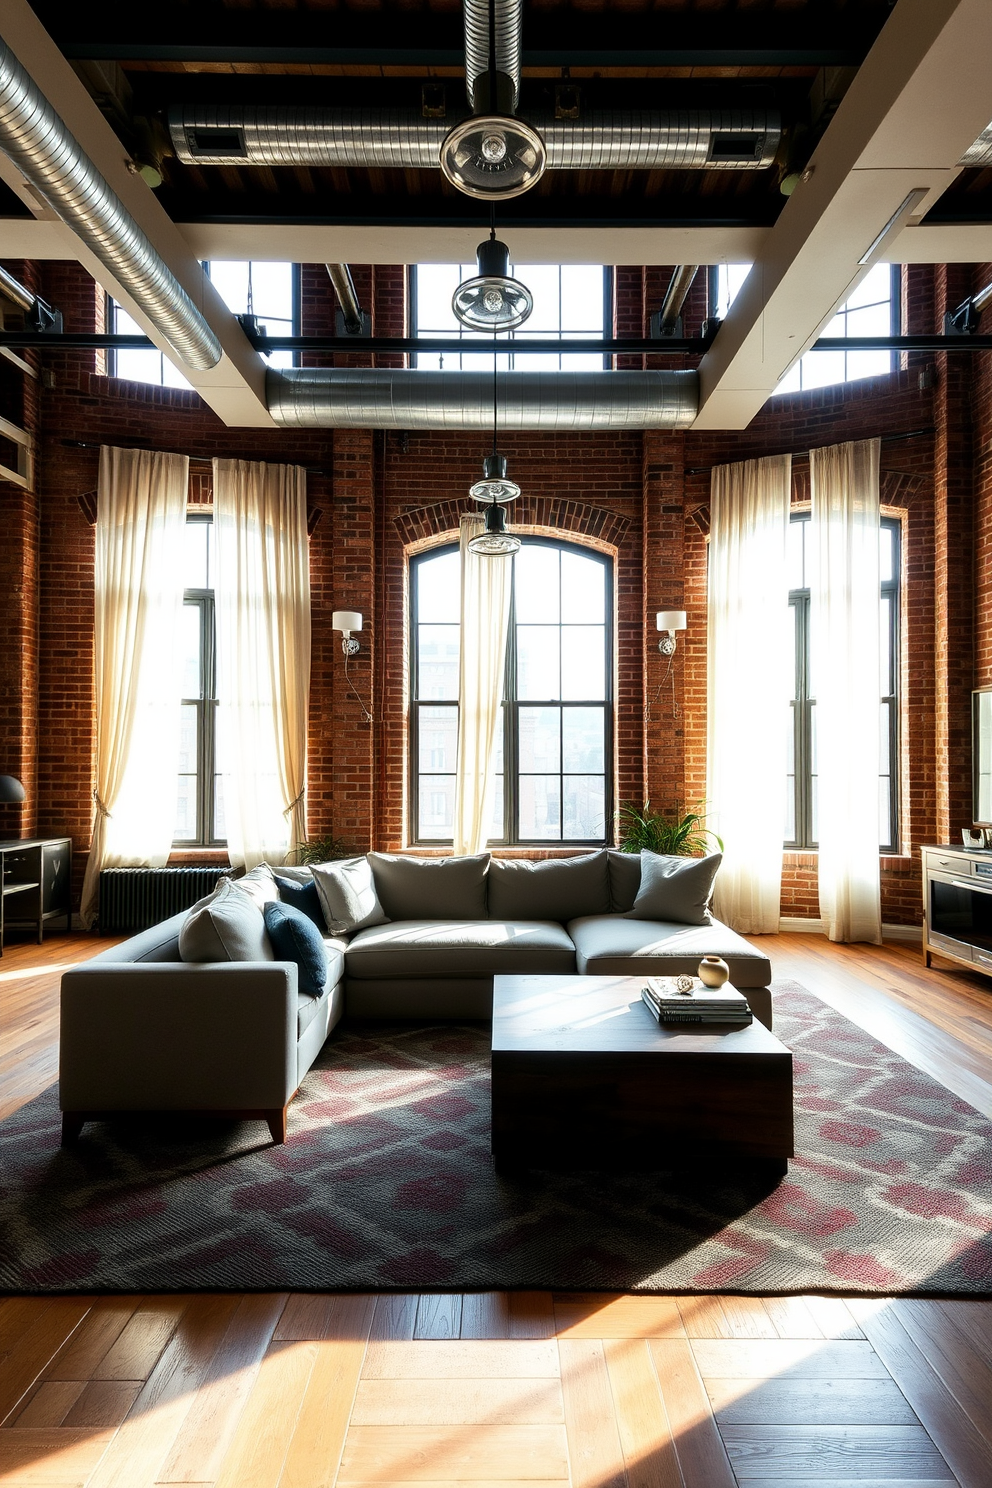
99,803
293,804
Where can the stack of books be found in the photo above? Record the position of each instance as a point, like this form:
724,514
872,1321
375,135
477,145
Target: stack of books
685,999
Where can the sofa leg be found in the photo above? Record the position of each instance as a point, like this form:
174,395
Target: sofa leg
72,1125
277,1125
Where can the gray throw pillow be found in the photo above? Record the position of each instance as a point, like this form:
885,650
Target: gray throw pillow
625,879
347,895
431,888
228,927
677,890
260,884
559,889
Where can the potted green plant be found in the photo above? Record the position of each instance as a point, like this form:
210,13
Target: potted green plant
322,850
680,835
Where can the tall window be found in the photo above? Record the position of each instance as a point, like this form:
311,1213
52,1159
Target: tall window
872,310
570,300
553,778
801,828
268,290
200,800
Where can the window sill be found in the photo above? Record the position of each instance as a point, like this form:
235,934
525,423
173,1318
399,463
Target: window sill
182,857
807,857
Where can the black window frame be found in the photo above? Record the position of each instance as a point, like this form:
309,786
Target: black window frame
475,344
803,702
511,713
206,713
297,293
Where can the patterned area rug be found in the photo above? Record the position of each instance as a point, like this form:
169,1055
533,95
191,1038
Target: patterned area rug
386,1182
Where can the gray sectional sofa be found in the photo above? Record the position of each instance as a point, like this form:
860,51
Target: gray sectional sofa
142,1030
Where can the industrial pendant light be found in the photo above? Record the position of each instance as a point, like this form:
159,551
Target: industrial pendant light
492,301
493,157
494,485
495,490
495,542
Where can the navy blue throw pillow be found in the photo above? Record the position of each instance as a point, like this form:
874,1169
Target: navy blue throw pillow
296,938
302,896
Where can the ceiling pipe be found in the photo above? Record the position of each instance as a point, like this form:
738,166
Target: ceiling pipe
508,22
354,320
332,398
401,139
52,161
668,321
14,291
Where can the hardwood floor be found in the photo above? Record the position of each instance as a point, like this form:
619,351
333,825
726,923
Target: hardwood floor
596,1391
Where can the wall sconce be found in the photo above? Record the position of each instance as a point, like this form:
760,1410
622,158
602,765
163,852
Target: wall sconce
669,621
346,621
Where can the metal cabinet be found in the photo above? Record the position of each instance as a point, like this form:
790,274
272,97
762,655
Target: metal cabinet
957,906
37,883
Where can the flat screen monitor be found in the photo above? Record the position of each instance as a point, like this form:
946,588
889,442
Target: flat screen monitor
981,757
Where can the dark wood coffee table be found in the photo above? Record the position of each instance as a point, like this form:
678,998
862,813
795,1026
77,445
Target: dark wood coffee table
583,1076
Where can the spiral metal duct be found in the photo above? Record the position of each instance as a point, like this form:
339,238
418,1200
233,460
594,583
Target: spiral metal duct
509,17
51,159
332,398
712,139
979,155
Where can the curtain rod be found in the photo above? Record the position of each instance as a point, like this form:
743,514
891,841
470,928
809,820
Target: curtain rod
193,459
804,454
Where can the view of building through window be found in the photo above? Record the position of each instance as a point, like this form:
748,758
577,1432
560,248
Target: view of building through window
551,771
801,800
570,301
200,797
267,290
872,310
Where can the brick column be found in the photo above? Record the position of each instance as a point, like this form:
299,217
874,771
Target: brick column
663,589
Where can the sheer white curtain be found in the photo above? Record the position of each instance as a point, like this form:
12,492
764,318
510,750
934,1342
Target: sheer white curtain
485,615
262,595
748,686
844,634
138,593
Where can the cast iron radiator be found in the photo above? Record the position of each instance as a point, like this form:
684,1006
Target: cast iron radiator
132,899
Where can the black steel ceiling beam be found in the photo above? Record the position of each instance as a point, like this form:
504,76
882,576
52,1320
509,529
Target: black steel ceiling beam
371,345
125,33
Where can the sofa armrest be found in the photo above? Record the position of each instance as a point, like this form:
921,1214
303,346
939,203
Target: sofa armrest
173,1036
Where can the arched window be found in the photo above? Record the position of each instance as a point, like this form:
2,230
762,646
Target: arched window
554,778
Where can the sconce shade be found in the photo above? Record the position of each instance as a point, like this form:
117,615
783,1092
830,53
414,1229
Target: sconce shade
671,620
346,621
11,788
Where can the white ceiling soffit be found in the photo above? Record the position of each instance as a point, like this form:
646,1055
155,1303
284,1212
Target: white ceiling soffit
235,387
922,96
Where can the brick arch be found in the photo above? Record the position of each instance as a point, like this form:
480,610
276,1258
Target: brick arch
597,525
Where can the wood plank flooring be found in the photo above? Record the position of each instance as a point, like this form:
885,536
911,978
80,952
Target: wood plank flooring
587,1390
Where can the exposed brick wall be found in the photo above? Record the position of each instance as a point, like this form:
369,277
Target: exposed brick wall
384,496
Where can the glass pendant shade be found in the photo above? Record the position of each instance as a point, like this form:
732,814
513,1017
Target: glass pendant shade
495,541
492,301
493,157
494,485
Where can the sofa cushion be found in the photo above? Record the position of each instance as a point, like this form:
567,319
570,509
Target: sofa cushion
556,889
627,947
675,890
297,874
347,895
229,927
431,888
260,884
304,897
295,937
625,879
459,948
